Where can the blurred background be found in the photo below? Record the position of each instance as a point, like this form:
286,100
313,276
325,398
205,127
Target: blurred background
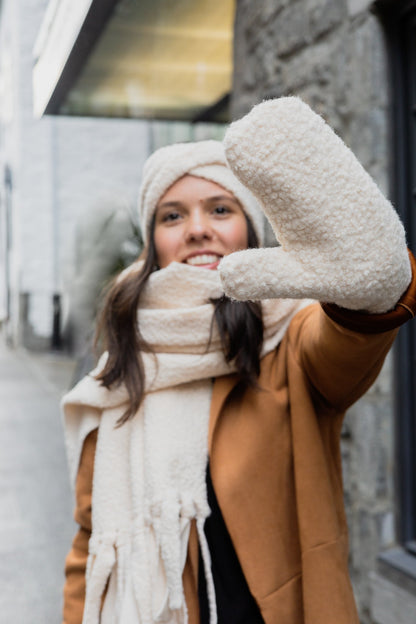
88,89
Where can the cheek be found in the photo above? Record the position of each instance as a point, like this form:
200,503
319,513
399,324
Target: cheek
165,245
236,235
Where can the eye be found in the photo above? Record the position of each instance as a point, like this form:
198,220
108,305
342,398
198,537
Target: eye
221,209
170,216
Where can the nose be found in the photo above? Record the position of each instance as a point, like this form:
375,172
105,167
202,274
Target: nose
198,226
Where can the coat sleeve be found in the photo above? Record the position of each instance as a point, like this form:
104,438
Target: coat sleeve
76,561
342,352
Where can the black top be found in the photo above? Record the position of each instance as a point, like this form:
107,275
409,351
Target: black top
235,604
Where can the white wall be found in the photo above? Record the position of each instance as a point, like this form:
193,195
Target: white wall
60,166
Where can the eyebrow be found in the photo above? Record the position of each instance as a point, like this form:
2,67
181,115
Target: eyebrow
174,204
222,197
170,204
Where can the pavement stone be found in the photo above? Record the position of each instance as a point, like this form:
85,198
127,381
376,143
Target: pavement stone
36,525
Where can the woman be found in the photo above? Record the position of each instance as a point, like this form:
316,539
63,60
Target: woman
207,439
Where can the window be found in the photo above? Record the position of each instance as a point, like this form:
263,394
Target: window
400,24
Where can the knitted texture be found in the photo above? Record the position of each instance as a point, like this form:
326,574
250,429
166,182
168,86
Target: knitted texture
203,159
341,240
149,474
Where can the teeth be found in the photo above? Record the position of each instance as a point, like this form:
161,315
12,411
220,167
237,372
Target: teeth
203,259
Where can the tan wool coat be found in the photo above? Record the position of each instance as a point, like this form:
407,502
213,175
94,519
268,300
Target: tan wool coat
276,470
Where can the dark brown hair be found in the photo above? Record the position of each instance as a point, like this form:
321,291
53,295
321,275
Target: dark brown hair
240,326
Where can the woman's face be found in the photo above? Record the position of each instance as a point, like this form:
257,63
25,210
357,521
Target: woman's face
198,222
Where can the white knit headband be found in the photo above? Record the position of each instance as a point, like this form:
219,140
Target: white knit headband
203,159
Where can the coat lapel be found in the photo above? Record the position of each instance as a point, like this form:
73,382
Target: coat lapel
221,390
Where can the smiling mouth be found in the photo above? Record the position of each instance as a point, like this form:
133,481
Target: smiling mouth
203,259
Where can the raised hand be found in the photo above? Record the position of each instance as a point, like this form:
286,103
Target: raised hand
341,240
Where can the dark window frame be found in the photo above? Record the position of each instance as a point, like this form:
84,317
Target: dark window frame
399,21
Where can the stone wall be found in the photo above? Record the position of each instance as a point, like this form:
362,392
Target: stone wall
329,52
332,53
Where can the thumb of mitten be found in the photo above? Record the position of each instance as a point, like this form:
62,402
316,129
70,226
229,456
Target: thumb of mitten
269,273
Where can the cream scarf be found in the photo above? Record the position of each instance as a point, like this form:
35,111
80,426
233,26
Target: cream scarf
149,474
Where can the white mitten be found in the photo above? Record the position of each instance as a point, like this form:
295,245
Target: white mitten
341,240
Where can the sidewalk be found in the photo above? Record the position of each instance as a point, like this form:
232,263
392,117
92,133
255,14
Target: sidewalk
36,525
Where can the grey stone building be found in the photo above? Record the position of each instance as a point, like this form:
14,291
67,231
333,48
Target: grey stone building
354,62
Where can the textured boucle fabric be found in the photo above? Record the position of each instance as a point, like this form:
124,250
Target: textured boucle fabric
341,240
203,159
149,474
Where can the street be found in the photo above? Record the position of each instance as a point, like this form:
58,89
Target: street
36,525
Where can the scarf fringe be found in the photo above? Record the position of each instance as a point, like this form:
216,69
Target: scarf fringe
170,550
141,578
100,564
206,558
122,561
